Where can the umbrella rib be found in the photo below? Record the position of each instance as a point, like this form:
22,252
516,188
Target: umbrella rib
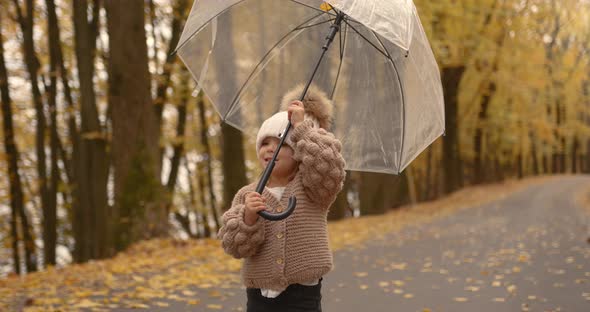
231,6
204,25
316,24
403,97
366,39
342,47
262,60
309,6
340,42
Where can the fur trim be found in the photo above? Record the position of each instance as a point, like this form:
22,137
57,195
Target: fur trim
316,104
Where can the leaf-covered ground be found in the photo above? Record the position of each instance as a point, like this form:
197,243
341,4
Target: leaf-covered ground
152,274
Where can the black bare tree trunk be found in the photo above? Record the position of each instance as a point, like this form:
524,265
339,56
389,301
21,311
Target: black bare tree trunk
33,67
91,163
12,155
207,151
453,171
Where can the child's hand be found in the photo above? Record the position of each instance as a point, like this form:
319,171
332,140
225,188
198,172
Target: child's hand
254,203
296,112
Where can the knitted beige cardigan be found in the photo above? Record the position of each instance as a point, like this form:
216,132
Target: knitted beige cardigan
296,249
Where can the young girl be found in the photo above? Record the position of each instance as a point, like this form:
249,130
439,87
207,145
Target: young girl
285,260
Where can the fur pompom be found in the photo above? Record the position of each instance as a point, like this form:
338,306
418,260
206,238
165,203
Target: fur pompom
316,104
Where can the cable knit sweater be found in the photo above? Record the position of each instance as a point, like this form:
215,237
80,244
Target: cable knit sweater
296,249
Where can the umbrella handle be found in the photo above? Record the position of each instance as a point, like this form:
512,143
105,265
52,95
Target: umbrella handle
266,177
283,215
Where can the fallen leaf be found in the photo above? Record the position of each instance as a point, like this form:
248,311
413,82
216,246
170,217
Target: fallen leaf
215,293
188,293
398,283
399,266
86,303
137,305
460,299
511,289
523,258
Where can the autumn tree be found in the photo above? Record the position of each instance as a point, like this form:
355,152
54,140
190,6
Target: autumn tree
139,206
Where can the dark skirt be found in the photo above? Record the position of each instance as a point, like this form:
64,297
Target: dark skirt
296,298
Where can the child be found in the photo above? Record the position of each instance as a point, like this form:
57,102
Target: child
285,260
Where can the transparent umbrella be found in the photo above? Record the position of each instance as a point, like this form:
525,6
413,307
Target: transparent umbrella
380,71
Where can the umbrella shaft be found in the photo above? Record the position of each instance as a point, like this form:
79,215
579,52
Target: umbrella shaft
333,30
268,171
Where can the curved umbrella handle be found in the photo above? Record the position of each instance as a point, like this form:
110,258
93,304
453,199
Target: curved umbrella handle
280,216
265,177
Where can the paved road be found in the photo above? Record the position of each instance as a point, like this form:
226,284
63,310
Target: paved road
528,252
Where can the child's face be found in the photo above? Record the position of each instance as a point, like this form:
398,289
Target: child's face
285,164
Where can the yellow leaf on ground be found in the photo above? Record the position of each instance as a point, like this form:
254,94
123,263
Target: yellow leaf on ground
460,299
511,289
86,303
188,293
215,306
214,293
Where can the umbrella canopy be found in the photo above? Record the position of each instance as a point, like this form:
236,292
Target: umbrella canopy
380,72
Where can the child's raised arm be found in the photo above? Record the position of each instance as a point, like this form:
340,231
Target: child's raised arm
321,164
238,238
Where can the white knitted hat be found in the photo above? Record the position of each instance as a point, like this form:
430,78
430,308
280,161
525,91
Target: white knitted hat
317,108
276,125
